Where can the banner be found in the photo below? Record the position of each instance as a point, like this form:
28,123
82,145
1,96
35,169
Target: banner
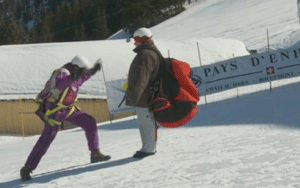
115,95
247,70
229,74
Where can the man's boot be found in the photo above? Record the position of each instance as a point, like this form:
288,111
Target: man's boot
141,154
97,156
25,174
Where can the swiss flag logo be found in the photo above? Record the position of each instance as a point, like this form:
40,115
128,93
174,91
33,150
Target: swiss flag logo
270,70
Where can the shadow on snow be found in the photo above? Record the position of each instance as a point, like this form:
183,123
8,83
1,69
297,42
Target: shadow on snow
279,107
71,171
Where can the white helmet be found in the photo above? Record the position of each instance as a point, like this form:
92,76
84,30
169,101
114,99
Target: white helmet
81,62
142,32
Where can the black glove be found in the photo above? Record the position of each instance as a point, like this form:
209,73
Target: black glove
97,67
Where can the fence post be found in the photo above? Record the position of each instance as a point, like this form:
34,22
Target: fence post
268,40
22,118
298,5
110,117
237,88
268,51
205,99
199,54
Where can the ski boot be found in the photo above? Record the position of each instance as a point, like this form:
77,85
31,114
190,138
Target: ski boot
97,156
25,174
141,154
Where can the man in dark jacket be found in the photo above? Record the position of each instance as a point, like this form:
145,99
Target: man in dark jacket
143,71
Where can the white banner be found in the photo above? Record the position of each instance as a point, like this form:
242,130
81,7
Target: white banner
247,70
115,95
229,74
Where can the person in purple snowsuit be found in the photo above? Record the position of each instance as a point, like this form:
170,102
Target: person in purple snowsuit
56,105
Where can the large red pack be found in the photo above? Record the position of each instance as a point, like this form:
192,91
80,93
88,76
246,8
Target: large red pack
175,98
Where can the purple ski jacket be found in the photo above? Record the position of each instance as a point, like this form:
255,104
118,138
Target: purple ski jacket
63,80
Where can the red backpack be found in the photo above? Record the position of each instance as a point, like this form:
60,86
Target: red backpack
174,94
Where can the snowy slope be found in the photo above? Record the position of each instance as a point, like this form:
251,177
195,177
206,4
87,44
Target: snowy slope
251,141
246,20
26,68
248,142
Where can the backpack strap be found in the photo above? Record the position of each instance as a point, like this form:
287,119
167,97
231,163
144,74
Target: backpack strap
155,84
57,97
58,106
53,91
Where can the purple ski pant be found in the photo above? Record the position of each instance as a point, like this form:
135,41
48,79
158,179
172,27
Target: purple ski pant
78,118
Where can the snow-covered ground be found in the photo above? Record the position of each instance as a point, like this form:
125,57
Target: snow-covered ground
251,141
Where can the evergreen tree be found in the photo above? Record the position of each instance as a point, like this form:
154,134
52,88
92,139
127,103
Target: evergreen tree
178,6
19,10
75,11
37,3
83,11
33,36
9,6
14,32
100,18
114,11
138,13
58,25
2,32
27,13
101,31
68,21
80,34
67,14
45,28
100,3
87,16
52,4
